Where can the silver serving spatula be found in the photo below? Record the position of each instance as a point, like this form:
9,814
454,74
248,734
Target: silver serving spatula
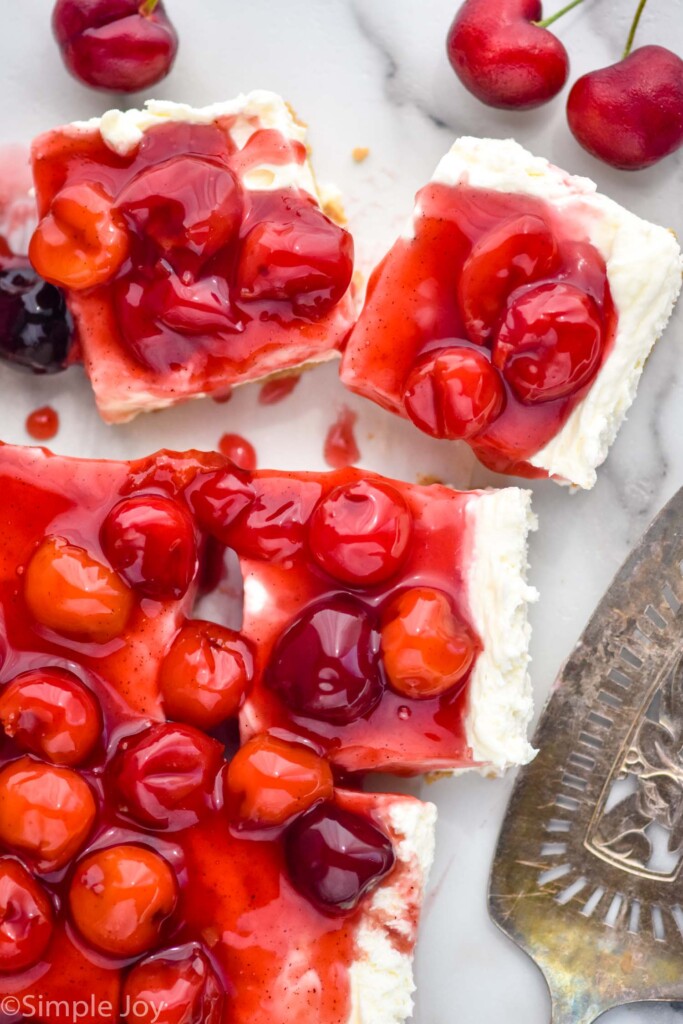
588,873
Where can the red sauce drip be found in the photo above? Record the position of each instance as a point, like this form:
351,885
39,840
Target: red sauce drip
42,424
238,450
277,389
340,448
223,397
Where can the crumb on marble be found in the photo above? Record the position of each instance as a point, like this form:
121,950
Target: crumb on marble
360,153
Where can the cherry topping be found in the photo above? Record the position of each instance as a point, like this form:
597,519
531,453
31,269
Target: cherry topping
120,45
340,448
360,532
275,780
550,342
42,424
326,664
184,203
177,986
630,114
277,388
502,57
519,250
81,242
303,259
455,393
165,778
46,812
150,541
35,328
26,917
334,857
426,649
121,897
219,498
68,591
238,450
49,712
205,675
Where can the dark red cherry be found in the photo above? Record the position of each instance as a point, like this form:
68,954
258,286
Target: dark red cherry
219,498
26,917
515,252
120,45
150,541
630,114
274,526
502,57
177,986
360,532
550,342
49,712
334,857
326,665
455,393
302,258
165,778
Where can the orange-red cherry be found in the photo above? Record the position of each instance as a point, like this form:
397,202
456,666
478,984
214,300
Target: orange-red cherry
176,986
46,812
121,898
51,713
67,590
26,917
426,649
455,393
275,780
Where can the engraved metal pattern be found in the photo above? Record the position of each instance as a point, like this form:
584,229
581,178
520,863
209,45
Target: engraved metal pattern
588,874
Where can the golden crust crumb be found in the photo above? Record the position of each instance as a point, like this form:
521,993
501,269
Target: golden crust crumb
360,153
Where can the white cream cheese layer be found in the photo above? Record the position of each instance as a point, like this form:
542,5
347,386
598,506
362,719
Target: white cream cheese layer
500,698
644,268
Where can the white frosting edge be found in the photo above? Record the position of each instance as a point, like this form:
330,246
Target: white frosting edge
500,696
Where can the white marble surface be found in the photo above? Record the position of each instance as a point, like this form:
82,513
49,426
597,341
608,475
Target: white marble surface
373,72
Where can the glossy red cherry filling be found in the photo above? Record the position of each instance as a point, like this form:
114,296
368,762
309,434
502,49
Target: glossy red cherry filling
217,500
178,986
334,857
455,393
326,665
26,917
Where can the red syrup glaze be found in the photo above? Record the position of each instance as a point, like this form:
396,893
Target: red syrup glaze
42,424
238,450
340,448
430,296
277,389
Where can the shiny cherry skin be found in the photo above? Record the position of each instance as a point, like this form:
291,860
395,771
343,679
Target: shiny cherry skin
334,857
70,592
81,242
502,57
26,917
36,330
121,897
49,712
185,203
164,779
46,812
118,45
303,259
326,664
150,541
219,498
426,649
630,114
454,393
176,986
550,342
238,450
274,781
205,676
360,533
520,250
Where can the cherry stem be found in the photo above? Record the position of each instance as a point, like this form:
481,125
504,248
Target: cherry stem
147,7
558,14
634,29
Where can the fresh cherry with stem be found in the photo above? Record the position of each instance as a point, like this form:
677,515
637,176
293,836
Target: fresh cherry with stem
630,114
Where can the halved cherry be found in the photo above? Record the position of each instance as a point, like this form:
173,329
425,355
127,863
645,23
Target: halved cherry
186,203
218,498
550,342
81,242
301,258
455,393
150,540
205,675
514,253
176,986
334,857
427,649
165,777
326,664
360,532
46,812
67,590
121,897
26,917
51,713
275,780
